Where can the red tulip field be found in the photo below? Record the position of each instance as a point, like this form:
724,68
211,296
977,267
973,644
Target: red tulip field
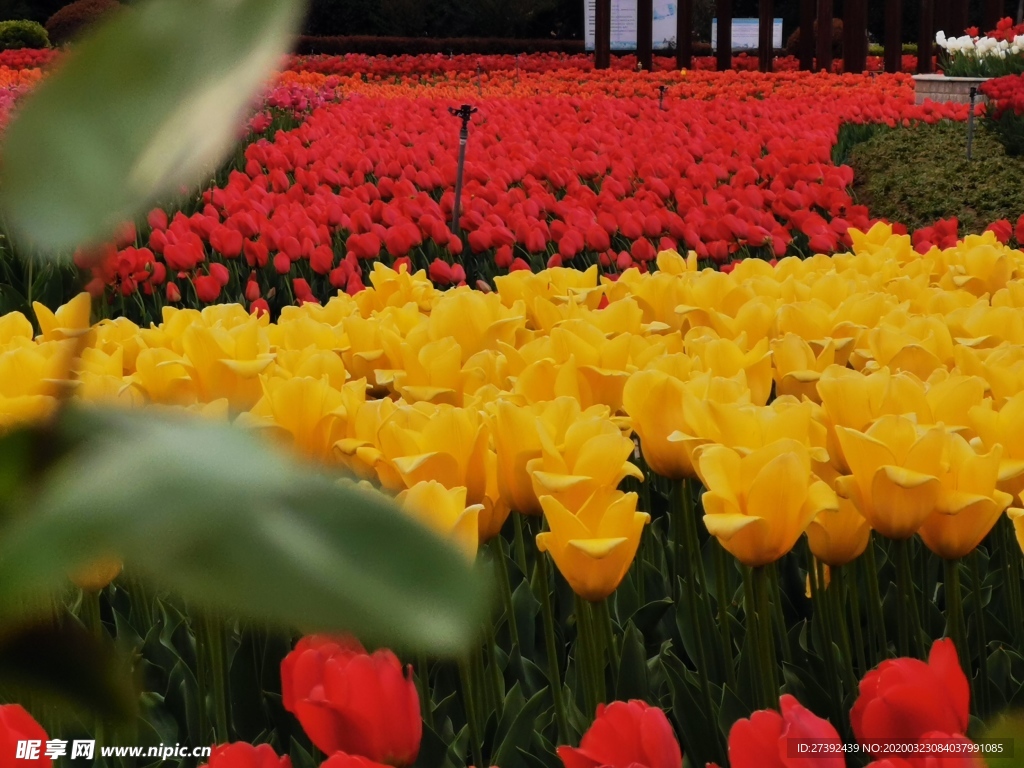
666,451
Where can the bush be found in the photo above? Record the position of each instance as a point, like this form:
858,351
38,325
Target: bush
72,20
398,46
793,43
22,34
921,174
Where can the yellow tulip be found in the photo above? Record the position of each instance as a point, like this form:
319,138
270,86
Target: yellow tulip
360,451
495,510
593,455
69,322
895,473
594,547
30,379
97,575
758,505
227,362
15,330
431,373
396,289
745,427
309,413
655,402
1017,516
444,511
1003,428
969,504
798,368
165,377
726,358
837,537
491,322
442,443
120,334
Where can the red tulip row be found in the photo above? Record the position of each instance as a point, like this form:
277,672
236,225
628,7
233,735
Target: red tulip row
539,63
362,710
549,180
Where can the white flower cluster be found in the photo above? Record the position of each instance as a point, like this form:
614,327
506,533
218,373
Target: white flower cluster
980,46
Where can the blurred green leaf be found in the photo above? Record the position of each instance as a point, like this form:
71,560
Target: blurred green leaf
149,103
209,512
71,667
1006,733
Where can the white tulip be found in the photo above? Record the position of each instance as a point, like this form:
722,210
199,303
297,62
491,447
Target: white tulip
940,38
1014,49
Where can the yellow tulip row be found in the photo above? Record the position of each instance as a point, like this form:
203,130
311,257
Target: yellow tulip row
876,389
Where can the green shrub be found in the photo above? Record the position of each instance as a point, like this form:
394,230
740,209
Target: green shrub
22,34
921,174
71,20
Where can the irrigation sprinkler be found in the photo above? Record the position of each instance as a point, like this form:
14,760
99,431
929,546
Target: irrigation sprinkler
464,113
661,97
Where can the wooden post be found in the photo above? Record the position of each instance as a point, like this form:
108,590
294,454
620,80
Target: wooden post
723,12
926,38
940,18
824,36
991,12
855,35
765,44
645,34
957,17
807,10
894,36
603,35
684,34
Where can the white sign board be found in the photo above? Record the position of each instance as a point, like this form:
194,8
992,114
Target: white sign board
744,33
624,24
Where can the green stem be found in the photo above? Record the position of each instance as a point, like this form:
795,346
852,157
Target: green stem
603,617
835,596
816,573
1011,562
423,687
725,631
519,542
780,619
215,649
501,570
469,704
905,584
982,635
876,621
753,640
585,660
551,648
957,627
769,660
496,682
851,588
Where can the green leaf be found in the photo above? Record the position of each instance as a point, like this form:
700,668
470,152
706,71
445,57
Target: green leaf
149,103
71,667
520,731
1003,742
212,514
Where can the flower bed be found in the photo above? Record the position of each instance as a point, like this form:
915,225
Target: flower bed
371,178
845,424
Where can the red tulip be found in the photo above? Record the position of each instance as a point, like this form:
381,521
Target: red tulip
903,699
343,760
770,739
282,264
629,734
440,272
173,293
351,701
259,307
220,273
207,288
322,259
252,289
17,725
1003,230
243,755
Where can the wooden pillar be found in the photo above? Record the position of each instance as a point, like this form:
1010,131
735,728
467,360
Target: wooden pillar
603,35
823,59
723,12
926,38
855,35
958,16
991,12
894,36
807,11
940,18
645,34
684,34
765,44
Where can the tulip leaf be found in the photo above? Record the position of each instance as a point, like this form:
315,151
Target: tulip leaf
207,511
519,732
148,104
1003,742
